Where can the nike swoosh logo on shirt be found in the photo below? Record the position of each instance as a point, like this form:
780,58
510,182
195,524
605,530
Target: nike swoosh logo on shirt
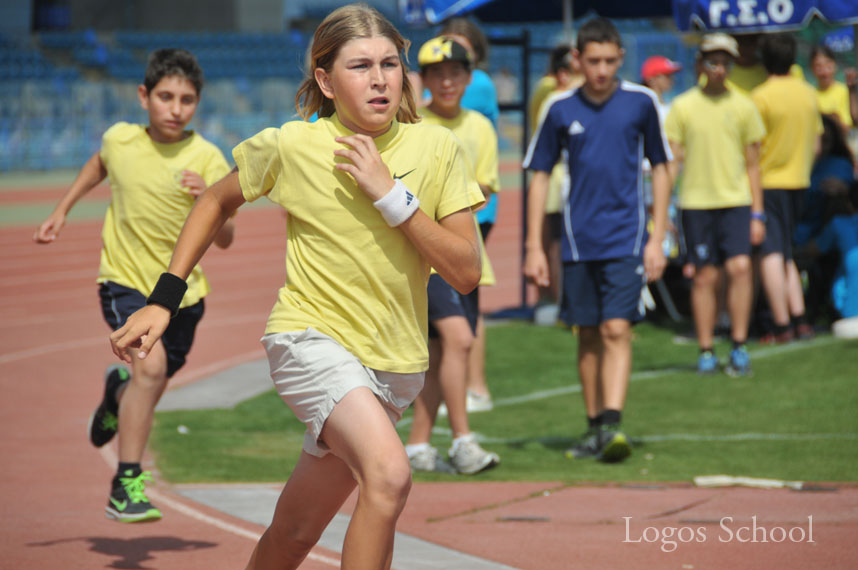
400,176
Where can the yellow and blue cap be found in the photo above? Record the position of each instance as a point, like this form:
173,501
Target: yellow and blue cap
440,49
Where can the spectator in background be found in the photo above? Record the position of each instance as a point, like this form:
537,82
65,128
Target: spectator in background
480,95
445,66
562,69
834,167
715,132
840,233
657,73
793,125
749,71
607,257
834,97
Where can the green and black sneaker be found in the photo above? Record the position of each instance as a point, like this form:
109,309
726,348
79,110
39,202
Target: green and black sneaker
104,421
128,501
614,445
587,446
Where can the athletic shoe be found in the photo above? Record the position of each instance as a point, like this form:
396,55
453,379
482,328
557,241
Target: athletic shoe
104,421
805,332
469,458
429,460
614,445
587,446
845,328
707,363
782,338
473,404
479,402
128,501
740,363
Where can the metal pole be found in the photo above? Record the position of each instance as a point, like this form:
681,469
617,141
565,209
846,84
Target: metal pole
568,15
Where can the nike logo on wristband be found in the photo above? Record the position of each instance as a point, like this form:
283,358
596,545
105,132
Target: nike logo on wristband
401,176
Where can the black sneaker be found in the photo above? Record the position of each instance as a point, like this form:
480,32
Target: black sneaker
104,421
587,446
614,445
128,501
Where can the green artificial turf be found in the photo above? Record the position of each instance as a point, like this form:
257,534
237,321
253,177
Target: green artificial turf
795,419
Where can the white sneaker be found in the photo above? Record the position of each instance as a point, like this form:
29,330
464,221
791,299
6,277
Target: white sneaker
468,457
479,402
845,328
473,404
429,460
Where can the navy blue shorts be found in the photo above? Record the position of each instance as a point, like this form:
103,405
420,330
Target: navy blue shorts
783,209
714,236
119,302
444,301
597,291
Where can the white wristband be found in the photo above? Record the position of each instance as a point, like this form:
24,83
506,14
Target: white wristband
397,205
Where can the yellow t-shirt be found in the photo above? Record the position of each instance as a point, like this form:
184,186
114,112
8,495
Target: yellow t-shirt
791,117
348,274
746,78
835,101
544,89
481,147
148,206
714,132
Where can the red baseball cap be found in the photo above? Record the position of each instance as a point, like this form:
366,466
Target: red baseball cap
658,65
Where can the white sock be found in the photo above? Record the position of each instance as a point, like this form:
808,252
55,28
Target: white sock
413,449
462,439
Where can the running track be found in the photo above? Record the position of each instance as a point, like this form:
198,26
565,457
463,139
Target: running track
53,348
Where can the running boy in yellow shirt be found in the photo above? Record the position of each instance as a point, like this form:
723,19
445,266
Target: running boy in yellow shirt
156,173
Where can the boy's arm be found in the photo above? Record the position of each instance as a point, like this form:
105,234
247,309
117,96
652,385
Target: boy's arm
535,262
450,246
196,185
211,211
654,259
90,175
675,165
752,165
852,84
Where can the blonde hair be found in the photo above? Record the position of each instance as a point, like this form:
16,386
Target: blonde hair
343,24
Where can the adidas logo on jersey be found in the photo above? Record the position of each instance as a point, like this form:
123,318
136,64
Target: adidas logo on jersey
576,128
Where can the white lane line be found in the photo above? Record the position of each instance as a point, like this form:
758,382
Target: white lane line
763,352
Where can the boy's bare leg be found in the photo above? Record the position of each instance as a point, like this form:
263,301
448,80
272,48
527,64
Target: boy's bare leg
477,361
456,341
773,274
795,292
704,304
616,362
314,493
137,403
589,367
740,295
426,404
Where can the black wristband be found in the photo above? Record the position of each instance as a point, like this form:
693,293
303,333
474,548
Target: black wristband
168,292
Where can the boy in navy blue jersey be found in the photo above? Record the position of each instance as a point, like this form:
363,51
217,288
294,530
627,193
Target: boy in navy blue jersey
607,126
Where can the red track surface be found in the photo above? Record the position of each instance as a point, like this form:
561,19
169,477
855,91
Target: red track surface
53,349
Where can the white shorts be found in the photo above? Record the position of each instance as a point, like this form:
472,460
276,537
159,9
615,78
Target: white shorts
312,372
